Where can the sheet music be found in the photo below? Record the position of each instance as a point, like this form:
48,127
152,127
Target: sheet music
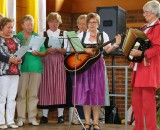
75,41
35,43
54,42
20,52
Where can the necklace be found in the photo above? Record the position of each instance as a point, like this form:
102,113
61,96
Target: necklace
93,35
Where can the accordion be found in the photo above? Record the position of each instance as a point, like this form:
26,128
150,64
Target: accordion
135,39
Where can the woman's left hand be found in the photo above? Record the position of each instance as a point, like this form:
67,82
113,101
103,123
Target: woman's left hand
118,39
90,51
35,53
135,52
15,60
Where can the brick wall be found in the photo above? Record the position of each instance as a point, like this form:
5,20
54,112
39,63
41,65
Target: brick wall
69,19
135,16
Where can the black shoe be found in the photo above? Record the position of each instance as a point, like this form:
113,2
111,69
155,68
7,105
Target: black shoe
61,119
97,128
88,127
44,120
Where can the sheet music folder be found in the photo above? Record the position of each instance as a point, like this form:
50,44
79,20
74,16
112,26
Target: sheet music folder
75,41
19,53
35,43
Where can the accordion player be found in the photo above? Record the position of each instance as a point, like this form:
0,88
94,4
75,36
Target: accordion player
135,39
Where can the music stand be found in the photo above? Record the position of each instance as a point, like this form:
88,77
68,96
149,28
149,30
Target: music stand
77,46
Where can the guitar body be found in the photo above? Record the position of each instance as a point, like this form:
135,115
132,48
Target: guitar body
81,61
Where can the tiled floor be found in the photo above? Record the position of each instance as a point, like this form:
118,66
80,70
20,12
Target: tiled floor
65,126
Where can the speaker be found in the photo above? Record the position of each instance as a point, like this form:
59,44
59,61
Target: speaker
113,22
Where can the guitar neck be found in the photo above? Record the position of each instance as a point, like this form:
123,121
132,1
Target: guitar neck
100,46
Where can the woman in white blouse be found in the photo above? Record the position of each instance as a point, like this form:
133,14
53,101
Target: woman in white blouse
90,85
52,91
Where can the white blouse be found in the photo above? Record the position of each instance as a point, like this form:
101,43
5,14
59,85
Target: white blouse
87,41
56,33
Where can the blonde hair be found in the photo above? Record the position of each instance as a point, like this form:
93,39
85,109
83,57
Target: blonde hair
4,21
26,18
83,16
92,16
54,16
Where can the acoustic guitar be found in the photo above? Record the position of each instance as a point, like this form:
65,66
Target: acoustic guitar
81,61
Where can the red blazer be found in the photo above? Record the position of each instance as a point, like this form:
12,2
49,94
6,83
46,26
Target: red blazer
149,76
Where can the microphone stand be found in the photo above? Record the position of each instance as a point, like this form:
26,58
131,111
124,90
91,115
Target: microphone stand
74,106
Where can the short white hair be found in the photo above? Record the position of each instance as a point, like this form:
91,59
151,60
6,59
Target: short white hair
153,6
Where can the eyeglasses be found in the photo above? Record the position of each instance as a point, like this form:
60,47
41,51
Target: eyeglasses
55,23
147,12
82,24
92,23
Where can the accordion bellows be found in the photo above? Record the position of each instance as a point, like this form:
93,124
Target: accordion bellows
135,39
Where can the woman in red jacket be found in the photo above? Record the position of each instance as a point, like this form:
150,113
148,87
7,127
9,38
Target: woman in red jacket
146,75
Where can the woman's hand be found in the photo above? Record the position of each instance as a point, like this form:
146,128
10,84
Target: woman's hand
135,52
15,60
118,39
90,51
110,48
35,53
61,50
52,51
40,54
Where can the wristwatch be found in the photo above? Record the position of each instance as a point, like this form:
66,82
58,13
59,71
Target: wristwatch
115,45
